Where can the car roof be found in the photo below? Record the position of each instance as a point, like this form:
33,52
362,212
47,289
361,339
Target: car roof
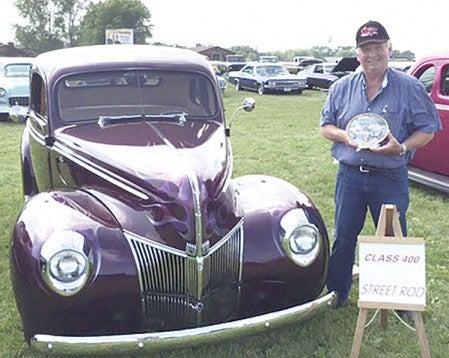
10,60
264,64
4,59
68,60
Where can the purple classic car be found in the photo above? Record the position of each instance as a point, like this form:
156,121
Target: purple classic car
134,235
430,166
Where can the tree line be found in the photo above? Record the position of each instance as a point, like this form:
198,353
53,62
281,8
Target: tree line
54,24
322,52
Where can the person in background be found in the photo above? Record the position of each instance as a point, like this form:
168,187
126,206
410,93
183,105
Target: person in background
368,178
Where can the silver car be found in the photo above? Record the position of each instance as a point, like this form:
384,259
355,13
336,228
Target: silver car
14,87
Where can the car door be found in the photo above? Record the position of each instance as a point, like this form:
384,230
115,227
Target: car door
36,141
318,76
434,74
247,77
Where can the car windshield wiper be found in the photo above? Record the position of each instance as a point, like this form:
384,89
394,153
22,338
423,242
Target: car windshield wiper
176,116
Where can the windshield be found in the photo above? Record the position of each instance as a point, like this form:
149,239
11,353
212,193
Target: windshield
271,70
17,70
90,96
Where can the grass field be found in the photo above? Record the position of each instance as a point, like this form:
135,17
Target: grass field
279,138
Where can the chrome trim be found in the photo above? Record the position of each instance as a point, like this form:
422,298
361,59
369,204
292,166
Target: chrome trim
100,171
173,278
150,342
436,181
196,198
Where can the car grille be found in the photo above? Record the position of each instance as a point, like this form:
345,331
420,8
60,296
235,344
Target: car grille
171,279
21,101
285,83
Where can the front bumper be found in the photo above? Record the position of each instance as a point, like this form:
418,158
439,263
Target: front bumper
284,87
148,342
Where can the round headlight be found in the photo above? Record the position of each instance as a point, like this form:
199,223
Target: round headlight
64,262
303,240
67,266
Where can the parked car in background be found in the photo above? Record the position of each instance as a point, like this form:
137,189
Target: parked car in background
222,82
14,86
401,65
268,59
300,62
324,77
230,63
135,235
266,78
430,166
317,75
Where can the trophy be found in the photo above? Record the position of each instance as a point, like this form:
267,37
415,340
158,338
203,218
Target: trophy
368,130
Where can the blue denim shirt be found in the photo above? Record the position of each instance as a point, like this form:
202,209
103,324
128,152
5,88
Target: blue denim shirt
402,101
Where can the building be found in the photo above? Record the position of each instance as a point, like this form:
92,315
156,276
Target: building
213,53
9,50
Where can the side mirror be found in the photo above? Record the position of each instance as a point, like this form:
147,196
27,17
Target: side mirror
249,104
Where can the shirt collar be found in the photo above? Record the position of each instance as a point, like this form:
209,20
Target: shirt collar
384,82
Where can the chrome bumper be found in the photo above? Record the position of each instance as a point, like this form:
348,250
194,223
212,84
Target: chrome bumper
148,342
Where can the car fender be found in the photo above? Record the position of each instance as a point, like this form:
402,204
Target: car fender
262,202
111,279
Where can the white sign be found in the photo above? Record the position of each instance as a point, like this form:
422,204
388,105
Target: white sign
392,270
119,36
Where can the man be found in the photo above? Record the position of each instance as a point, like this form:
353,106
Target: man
368,178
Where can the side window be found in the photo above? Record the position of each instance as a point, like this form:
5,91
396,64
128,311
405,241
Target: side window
445,81
38,98
427,78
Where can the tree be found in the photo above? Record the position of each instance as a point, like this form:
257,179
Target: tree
115,14
69,14
51,23
403,55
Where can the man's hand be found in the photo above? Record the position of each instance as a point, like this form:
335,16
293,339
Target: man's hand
391,147
336,134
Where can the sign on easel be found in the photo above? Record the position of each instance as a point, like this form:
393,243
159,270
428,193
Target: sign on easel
391,276
392,273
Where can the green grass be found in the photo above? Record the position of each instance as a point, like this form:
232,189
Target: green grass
279,138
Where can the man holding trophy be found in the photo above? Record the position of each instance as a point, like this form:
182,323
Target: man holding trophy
376,119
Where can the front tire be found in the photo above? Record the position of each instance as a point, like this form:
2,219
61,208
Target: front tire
260,89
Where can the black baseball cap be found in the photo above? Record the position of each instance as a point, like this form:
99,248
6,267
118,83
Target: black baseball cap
372,31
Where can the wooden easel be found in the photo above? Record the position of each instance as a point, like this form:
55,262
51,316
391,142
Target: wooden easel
389,225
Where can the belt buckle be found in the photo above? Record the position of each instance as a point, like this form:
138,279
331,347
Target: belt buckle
363,169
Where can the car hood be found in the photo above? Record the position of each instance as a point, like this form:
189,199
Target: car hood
279,77
152,173
346,65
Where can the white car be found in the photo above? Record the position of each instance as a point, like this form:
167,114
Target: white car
14,87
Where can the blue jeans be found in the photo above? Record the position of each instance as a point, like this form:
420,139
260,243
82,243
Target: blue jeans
355,192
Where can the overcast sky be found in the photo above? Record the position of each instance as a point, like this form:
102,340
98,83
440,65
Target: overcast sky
285,24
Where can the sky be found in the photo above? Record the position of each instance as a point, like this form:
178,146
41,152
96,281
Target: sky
284,24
